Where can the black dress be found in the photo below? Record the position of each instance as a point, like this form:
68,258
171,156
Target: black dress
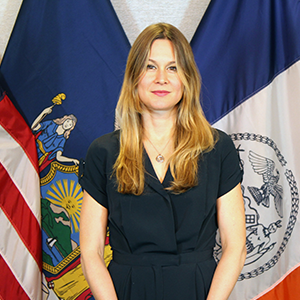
162,243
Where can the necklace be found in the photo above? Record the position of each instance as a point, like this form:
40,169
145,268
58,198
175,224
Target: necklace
159,158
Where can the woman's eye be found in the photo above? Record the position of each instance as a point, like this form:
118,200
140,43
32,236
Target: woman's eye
173,68
150,67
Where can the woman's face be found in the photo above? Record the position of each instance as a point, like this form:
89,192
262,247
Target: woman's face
67,124
160,88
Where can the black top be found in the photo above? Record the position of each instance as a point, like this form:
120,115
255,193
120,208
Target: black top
162,242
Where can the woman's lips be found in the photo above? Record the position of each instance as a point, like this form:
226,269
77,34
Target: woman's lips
161,93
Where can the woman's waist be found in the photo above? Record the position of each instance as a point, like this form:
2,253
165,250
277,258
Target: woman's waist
162,259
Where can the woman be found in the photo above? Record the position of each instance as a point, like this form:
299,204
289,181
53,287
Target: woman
163,184
51,136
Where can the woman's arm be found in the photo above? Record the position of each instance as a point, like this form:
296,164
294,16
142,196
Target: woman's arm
36,123
231,220
93,225
62,158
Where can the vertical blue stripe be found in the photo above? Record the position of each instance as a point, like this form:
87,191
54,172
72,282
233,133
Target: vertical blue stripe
240,46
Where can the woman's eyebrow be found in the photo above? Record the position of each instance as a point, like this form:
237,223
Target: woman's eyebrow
169,63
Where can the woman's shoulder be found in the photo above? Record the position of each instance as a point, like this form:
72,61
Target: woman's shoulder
223,139
108,143
224,144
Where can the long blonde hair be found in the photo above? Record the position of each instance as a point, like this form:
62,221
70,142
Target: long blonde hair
193,134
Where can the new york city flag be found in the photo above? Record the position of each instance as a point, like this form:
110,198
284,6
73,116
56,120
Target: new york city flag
248,53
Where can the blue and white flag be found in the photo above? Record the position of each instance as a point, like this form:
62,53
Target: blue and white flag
248,53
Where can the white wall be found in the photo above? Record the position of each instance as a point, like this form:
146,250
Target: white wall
134,16
8,13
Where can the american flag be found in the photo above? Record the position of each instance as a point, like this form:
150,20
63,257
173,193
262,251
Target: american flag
20,243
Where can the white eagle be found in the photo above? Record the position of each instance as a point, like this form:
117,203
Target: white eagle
265,167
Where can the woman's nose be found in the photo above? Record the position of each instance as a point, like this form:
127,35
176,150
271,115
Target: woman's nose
161,77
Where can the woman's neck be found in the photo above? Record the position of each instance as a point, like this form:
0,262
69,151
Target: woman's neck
158,140
60,130
158,127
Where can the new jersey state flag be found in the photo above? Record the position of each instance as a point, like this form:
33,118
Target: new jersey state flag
63,68
248,53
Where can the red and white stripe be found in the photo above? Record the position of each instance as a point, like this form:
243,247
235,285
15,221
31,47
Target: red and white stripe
20,212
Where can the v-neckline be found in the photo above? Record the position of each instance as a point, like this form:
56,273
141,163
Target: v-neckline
150,169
